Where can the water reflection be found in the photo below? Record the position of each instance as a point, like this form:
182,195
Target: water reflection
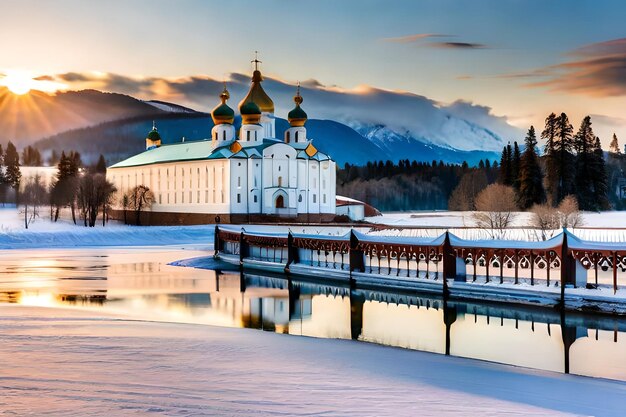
138,283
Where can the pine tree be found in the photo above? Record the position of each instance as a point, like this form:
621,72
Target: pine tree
585,165
614,146
3,182
515,166
531,189
552,167
505,174
564,147
600,179
12,165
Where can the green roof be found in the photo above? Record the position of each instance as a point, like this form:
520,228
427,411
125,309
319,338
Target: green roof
201,149
223,110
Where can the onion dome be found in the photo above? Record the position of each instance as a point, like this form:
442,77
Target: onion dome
154,134
250,113
223,114
257,95
297,116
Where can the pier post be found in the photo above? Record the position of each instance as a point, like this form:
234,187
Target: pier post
357,258
567,276
292,252
216,243
450,260
243,248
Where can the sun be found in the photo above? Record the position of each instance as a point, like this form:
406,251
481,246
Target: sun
18,83
22,82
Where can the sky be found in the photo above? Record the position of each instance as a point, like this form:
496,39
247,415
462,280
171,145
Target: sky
520,59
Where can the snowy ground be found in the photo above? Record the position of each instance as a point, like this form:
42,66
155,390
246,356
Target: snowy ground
72,362
607,219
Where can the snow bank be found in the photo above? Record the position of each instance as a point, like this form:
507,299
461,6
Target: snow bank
74,363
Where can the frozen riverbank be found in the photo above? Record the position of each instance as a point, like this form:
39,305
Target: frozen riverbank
77,363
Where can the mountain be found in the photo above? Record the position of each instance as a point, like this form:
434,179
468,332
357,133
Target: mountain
120,139
28,118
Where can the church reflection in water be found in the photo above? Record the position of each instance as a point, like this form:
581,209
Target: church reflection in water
525,336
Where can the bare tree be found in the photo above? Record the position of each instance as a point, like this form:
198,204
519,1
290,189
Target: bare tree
34,194
94,193
546,219
496,209
464,195
549,220
140,198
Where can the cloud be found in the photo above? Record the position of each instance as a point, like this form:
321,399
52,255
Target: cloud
457,125
415,37
597,70
457,45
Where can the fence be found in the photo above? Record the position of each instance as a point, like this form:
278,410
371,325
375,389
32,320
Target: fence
561,261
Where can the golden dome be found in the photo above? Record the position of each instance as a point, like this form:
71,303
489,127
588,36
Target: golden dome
257,95
223,114
250,113
297,117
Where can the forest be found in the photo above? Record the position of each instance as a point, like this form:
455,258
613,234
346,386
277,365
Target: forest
570,164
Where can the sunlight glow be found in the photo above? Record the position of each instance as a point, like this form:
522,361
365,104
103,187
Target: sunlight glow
21,82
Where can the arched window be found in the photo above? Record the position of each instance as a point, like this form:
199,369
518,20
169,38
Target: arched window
223,135
280,181
296,136
300,199
288,134
248,135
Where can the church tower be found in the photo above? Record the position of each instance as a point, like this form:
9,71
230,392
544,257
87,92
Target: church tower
259,97
153,140
223,117
297,118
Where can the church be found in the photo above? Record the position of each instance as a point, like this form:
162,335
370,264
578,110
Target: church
234,176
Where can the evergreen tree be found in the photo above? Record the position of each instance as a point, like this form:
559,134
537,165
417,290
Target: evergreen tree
515,166
585,165
13,174
614,146
3,182
599,177
505,175
531,189
564,147
552,166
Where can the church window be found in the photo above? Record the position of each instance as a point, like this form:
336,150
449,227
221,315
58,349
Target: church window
198,198
206,196
278,168
314,198
238,181
255,180
255,198
238,164
280,181
160,199
255,136
324,198
248,136
182,197
206,178
288,135
215,135
296,136
239,198
175,198
190,197
324,184
168,198
223,135
300,199
222,196
314,182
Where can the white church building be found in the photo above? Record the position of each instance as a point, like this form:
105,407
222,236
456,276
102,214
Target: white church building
233,177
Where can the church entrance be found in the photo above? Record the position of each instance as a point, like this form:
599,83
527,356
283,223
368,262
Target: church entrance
280,202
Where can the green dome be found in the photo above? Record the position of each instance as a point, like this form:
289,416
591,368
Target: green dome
223,114
154,135
297,113
249,108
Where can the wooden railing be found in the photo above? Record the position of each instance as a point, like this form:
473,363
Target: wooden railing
561,261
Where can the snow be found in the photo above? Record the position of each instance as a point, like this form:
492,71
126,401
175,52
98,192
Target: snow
76,363
43,233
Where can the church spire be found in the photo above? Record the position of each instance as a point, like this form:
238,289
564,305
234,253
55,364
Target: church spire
256,94
297,116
